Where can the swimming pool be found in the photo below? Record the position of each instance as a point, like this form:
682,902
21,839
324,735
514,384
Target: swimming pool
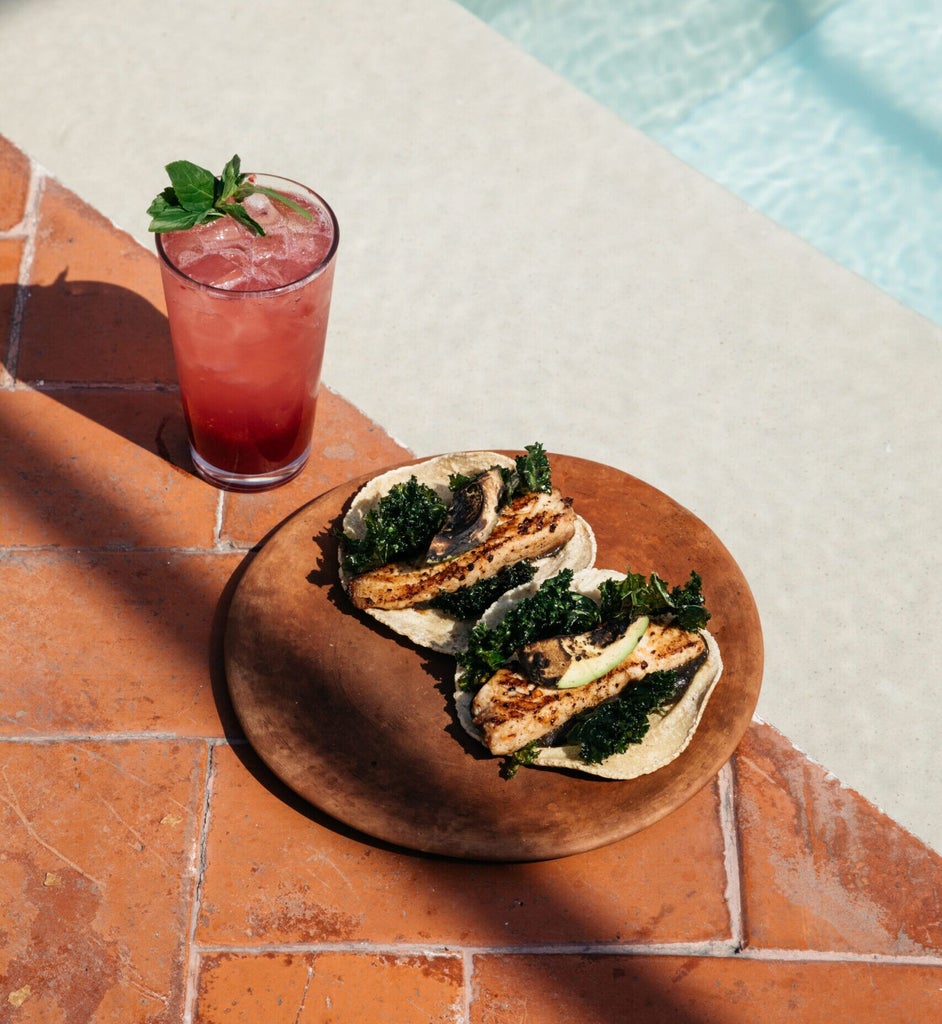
824,114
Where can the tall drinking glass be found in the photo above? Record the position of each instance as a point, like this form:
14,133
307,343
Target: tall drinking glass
248,320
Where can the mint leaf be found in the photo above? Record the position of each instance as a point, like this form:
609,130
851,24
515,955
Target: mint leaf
197,196
171,218
280,197
194,187
241,214
231,179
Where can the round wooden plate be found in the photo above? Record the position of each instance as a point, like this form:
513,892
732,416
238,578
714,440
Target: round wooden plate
360,722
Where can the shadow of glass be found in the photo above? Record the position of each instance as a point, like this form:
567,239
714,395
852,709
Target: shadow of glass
73,335
104,352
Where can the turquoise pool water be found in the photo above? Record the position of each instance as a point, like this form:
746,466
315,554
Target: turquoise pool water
826,115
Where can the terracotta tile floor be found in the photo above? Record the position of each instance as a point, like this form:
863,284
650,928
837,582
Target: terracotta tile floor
152,870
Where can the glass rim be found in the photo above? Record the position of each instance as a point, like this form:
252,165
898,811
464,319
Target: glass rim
277,289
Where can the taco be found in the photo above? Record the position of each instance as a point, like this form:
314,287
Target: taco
597,672
426,548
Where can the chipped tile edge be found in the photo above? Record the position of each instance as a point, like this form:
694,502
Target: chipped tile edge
830,776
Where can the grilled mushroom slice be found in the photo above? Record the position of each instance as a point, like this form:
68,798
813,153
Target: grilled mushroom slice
471,518
577,659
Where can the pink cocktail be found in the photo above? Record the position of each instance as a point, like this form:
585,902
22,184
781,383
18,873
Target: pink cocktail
248,319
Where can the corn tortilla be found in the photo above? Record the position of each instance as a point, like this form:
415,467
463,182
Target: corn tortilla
429,627
669,734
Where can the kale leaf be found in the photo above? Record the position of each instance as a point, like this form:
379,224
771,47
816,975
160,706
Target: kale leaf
552,611
520,759
612,727
634,595
531,472
405,520
458,480
400,524
555,610
471,602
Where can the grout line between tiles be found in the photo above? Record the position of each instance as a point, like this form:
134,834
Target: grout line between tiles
730,829
51,386
826,956
309,978
705,950
191,981
123,737
467,977
29,226
223,548
218,543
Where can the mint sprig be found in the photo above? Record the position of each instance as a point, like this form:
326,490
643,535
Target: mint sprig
197,196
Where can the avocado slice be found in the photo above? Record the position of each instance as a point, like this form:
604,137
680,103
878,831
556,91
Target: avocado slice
567,662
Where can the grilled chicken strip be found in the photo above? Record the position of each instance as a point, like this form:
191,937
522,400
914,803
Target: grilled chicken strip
530,526
511,711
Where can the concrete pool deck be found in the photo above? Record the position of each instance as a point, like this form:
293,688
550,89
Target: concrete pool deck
517,265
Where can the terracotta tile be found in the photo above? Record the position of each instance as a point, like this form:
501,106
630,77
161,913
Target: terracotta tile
99,469
699,990
111,642
314,988
15,174
96,310
11,252
822,868
97,877
278,872
346,445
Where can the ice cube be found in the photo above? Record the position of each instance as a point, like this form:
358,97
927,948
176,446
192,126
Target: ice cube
264,210
256,203
222,270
